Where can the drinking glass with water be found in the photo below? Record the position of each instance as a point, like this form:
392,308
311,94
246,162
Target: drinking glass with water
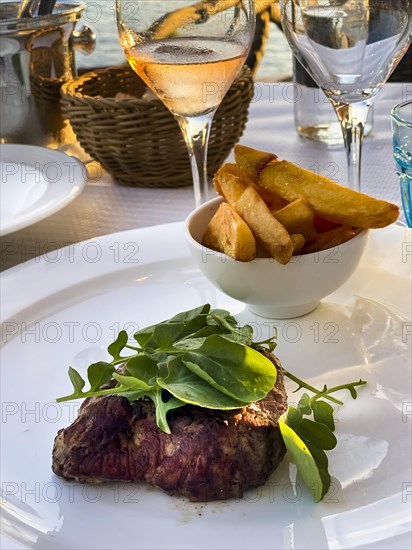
401,116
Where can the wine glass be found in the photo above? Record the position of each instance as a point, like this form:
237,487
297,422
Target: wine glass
350,48
189,54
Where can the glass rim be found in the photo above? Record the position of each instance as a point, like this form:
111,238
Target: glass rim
396,116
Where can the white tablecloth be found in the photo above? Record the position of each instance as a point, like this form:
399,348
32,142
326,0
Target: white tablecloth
105,207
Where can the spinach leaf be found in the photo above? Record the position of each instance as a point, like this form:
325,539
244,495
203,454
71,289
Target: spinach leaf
190,388
99,373
304,404
234,369
318,434
143,367
303,459
323,412
165,334
191,314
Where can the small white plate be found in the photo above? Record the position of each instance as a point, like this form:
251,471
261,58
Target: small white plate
35,183
74,306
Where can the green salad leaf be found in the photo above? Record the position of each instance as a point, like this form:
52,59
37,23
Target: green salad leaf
301,455
98,374
234,369
185,385
118,346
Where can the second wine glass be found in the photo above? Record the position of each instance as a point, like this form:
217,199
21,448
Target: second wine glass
350,48
189,55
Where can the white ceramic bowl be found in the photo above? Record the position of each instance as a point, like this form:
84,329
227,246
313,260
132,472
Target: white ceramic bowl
268,288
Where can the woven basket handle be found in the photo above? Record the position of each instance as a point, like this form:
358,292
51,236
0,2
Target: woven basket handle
198,12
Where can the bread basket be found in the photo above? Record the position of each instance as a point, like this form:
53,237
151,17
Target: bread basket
137,140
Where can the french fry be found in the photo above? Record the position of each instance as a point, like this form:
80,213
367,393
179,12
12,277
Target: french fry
322,225
261,251
251,161
266,229
228,233
326,198
235,170
330,239
297,217
273,201
228,184
298,242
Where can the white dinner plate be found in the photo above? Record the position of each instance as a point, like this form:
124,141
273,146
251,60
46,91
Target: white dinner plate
35,183
63,309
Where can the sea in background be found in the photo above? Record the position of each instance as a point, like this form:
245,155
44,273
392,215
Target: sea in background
276,63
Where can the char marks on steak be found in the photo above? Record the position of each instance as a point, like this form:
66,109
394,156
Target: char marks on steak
210,454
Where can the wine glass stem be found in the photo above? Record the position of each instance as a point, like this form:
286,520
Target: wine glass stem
196,131
352,118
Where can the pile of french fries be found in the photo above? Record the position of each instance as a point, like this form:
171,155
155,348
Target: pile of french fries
277,209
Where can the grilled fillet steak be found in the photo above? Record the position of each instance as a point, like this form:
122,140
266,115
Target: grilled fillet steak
209,455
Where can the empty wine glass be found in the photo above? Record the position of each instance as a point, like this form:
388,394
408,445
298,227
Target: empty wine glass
189,55
350,48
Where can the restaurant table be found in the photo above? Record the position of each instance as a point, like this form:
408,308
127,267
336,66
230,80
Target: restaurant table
105,207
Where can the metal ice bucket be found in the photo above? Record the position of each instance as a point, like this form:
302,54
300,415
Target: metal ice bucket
36,58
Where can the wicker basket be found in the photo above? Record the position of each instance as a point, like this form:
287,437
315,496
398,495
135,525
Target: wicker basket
138,141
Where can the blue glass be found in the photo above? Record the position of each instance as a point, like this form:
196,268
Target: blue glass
402,151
